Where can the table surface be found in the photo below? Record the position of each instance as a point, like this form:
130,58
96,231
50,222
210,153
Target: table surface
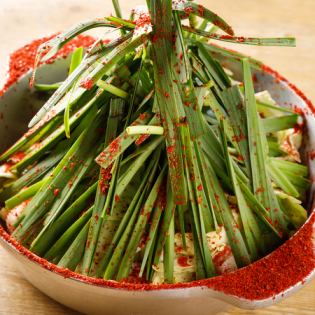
24,20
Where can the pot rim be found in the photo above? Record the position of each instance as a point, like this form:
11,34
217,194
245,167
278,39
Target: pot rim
204,283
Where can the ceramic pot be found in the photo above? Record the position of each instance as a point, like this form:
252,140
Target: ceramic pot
92,296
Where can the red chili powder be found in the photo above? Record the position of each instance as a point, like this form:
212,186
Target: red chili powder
56,192
188,10
141,139
7,166
239,138
87,84
17,157
183,261
201,10
221,256
105,178
113,150
22,60
170,149
259,190
143,20
285,267
161,199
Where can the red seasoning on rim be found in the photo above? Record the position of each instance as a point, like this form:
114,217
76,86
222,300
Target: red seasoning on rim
251,282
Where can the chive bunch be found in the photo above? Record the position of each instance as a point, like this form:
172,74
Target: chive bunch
149,150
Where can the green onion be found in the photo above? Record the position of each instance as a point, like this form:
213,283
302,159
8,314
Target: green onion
169,252
261,184
76,59
288,41
24,194
47,87
145,130
112,89
281,123
149,140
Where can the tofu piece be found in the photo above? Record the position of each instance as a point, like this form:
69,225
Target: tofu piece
14,214
184,263
290,141
221,252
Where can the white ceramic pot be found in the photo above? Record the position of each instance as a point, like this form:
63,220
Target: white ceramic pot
106,297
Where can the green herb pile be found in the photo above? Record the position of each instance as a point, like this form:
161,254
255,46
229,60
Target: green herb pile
150,162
